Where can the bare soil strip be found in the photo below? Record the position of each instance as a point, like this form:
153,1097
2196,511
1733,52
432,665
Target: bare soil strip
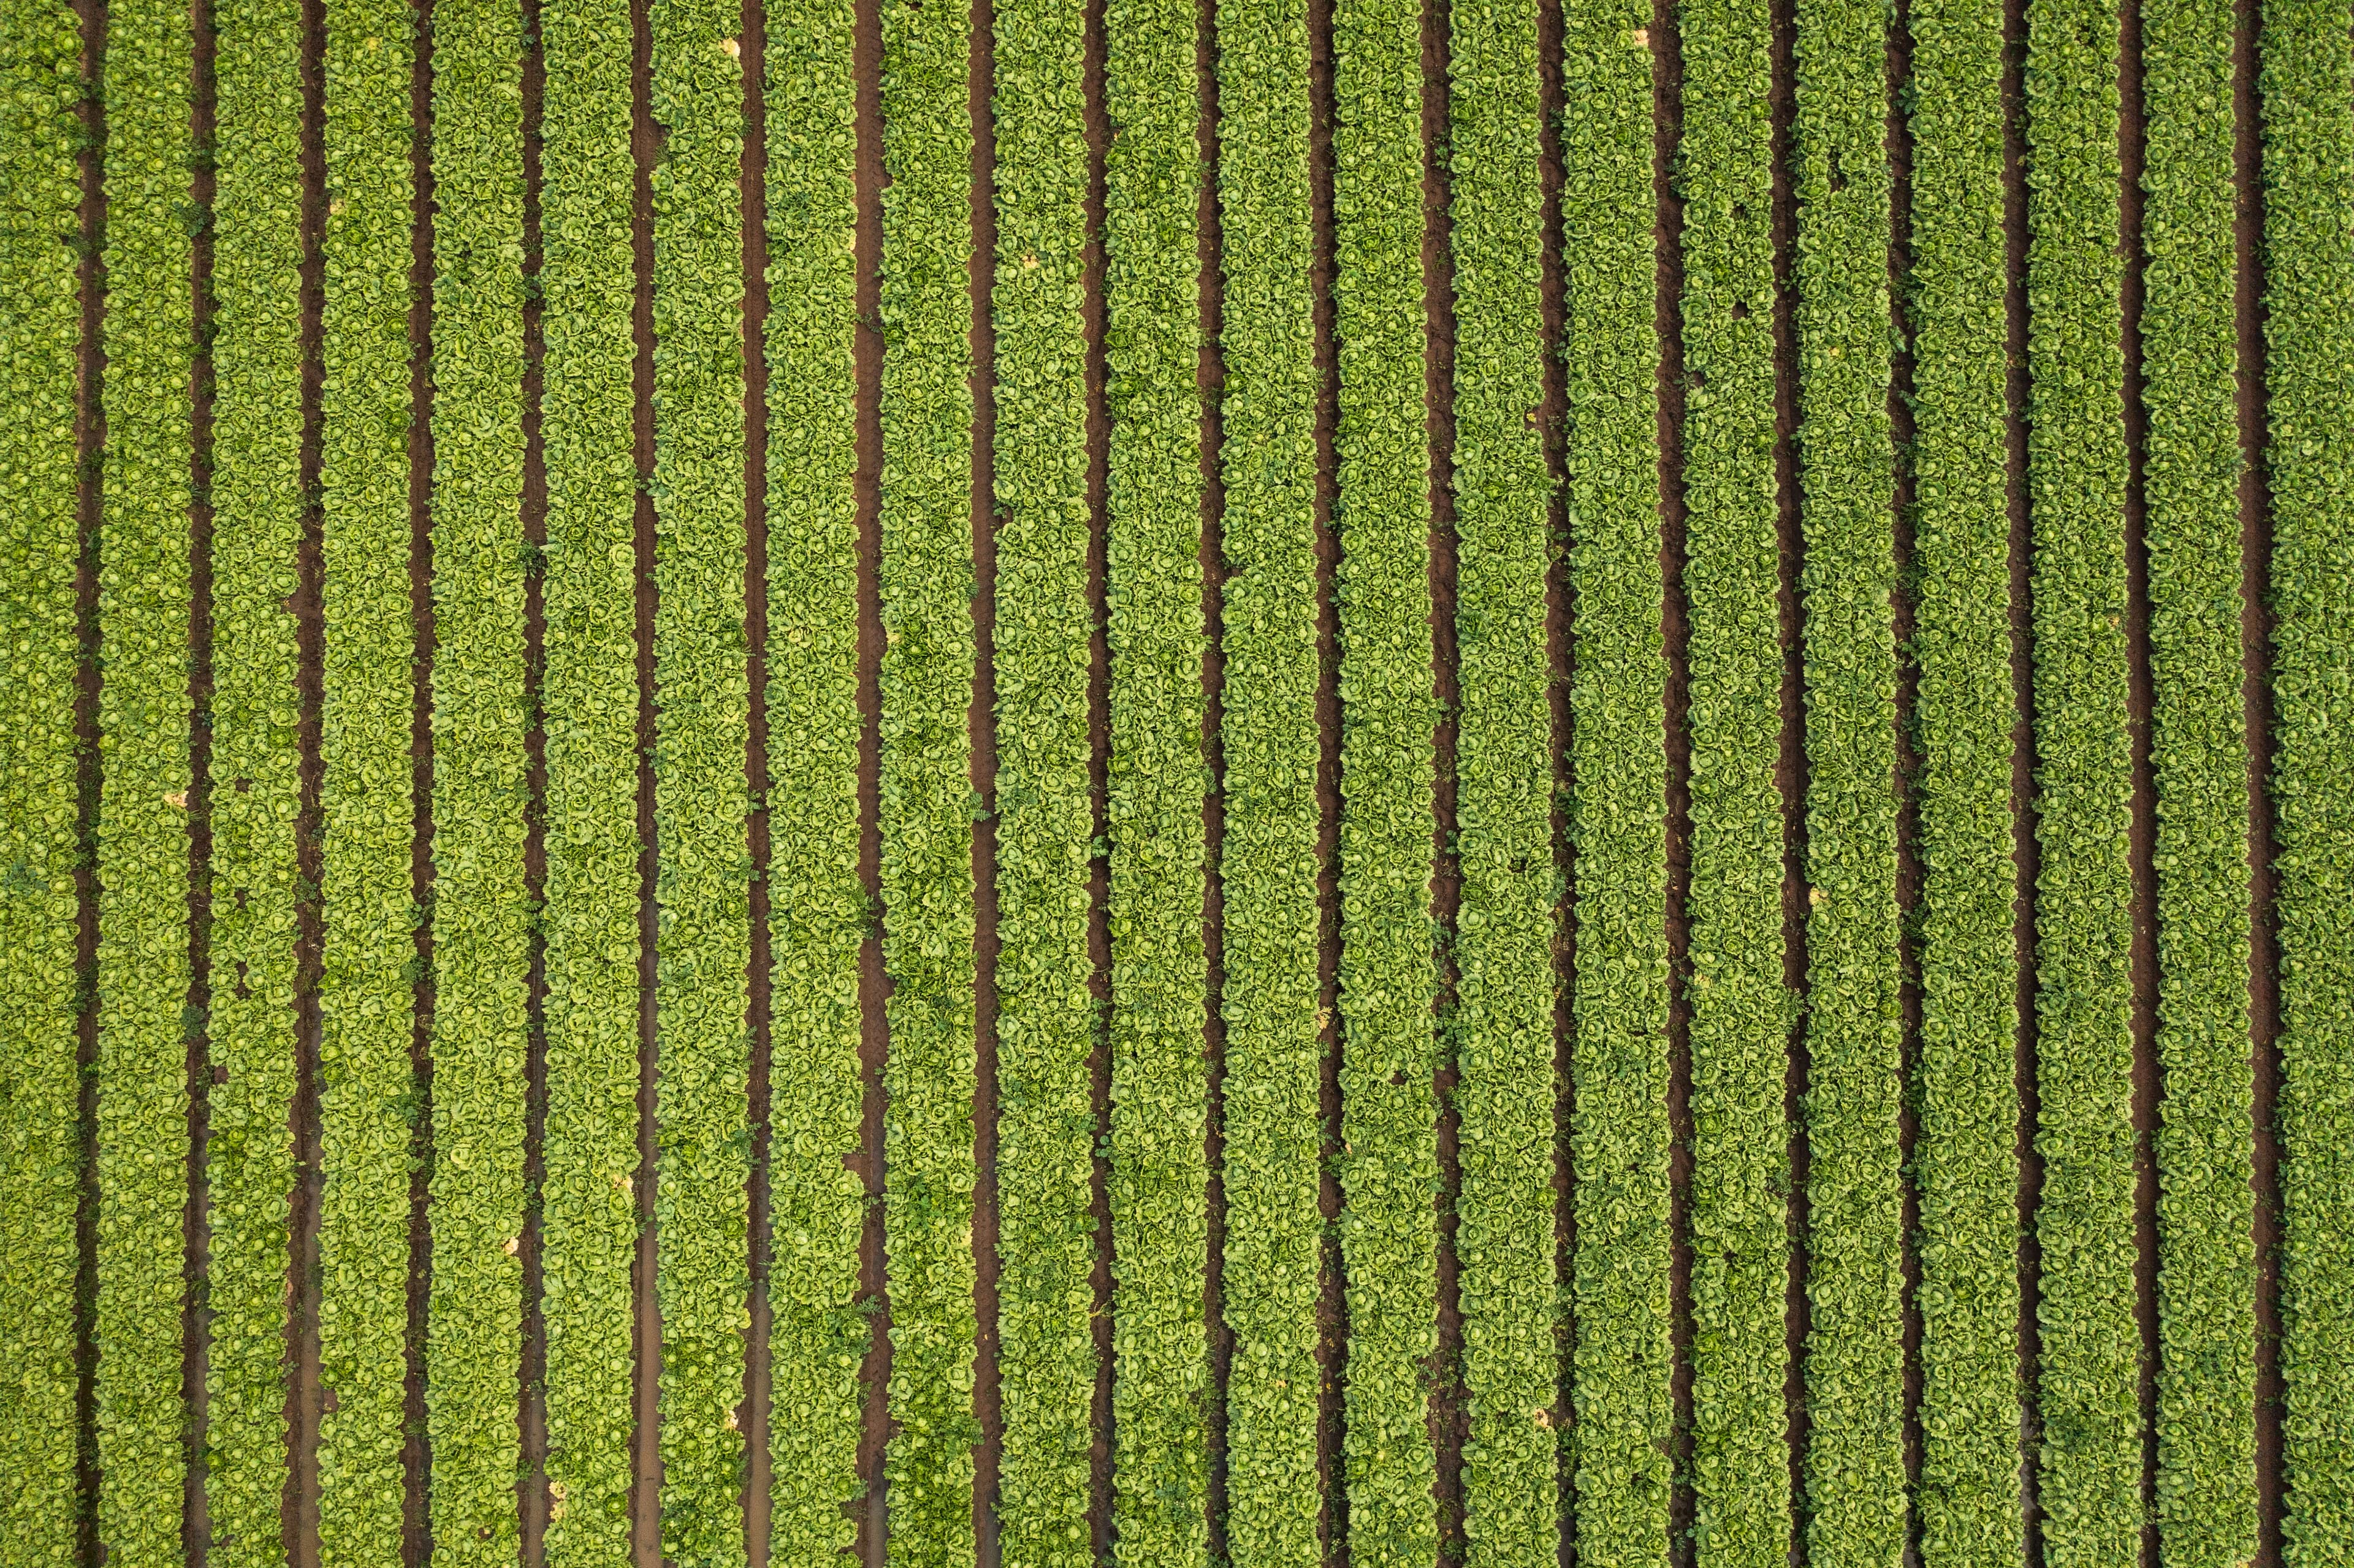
1675,625
752,1418
1450,1417
2255,655
2027,854
645,144
874,986
531,1411
299,1513
1209,380
1331,1303
981,732
417,1460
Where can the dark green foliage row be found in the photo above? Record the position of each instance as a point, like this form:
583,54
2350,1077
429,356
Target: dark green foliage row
481,942
928,801
1159,1077
1389,1173
2308,78
1046,1115
818,916
588,1200
1618,1065
2090,1347
1505,783
2206,1261
1854,1475
40,84
1740,1010
257,495
1268,861
144,777
702,797
1964,1167
368,1097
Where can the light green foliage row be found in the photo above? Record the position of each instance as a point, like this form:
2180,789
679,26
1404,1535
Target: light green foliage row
481,942
1854,1475
928,801
1268,860
257,496
1740,1010
818,915
2206,1260
702,797
368,1097
588,1207
1159,1074
1389,1232
144,777
1968,1497
1046,1115
40,83
2089,1370
1618,1066
1505,783
2306,66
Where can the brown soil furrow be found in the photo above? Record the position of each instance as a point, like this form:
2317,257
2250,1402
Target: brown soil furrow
753,1416
2255,655
1209,381
1552,295
195,1519
531,1485
1331,1305
645,1449
1098,129
1910,870
1668,111
874,985
1449,1413
2027,854
300,1509
90,443
981,730
416,1458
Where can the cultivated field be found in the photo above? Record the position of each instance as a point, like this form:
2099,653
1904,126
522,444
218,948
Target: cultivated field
1177,783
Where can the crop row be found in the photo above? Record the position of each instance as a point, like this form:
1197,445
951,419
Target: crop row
482,938
928,796
1389,1173
702,793
1618,1066
2307,62
1967,1498
1740,1013
2205,1263
257,496
1046,1026
1268,738
39,842
145,775
819,1333
588,1203
1854,1476
1503,1039
2090,1460
367,1087
1156,779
